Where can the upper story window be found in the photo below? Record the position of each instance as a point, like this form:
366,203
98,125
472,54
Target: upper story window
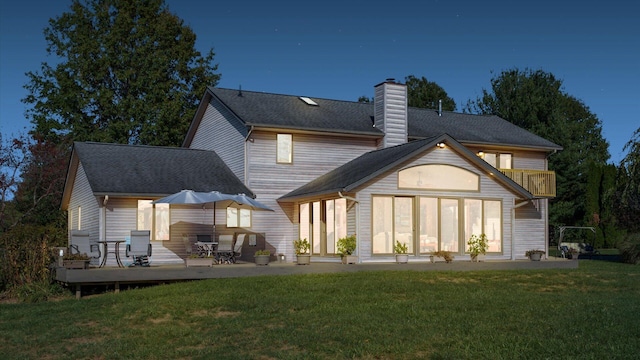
498,160
438,177
285,149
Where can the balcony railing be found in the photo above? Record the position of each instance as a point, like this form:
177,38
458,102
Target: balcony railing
537,182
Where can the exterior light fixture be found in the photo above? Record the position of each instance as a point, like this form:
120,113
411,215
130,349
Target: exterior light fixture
481,153
440,145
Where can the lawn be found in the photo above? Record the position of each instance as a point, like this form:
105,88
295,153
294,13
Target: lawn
591,312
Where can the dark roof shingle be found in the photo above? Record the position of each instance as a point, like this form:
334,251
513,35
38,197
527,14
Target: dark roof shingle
154,170
290,112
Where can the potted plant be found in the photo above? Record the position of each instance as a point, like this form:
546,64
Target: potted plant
441,255
574,254
262,257
301,247
534,255
400,249
195,260
75,261
346,248
478,246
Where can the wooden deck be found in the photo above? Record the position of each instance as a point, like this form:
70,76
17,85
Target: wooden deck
115,277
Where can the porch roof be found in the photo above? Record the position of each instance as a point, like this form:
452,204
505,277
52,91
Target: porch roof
153,171
357,172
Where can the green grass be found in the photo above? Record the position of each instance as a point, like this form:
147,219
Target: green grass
591,312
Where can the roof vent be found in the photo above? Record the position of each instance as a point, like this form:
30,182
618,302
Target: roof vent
240,91
308,101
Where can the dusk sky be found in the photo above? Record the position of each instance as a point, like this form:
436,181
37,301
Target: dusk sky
340,50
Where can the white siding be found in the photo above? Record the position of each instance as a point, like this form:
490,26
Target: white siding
82,196
222,132
390,116
313,156
387,185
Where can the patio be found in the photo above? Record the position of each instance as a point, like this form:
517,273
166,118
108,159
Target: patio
161,274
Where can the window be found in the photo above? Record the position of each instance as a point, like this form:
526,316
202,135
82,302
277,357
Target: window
238,217
154,218
323,223
438,177
500,161
483,217
284,149
440,223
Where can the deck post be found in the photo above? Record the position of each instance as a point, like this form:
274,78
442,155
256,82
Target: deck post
78,291
117,287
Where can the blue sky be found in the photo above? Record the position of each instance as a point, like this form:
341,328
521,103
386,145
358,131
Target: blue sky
340,50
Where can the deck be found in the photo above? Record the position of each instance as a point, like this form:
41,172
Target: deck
160,274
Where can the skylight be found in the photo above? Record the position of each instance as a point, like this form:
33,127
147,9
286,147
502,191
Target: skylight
308,101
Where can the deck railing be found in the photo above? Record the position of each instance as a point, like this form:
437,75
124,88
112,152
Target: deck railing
538,182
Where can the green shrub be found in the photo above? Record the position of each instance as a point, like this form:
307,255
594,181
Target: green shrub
630,249
25,254
262,252
347,245
400,248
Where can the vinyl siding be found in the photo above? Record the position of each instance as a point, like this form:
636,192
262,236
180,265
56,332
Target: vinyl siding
222,132
390,107
313,156
387,185
82,196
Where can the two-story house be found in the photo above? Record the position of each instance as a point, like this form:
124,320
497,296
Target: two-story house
329,168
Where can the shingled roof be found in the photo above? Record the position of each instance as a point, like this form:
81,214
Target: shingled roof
131,170
362,169
290,112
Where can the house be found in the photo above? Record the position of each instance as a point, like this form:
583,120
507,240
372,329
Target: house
329,168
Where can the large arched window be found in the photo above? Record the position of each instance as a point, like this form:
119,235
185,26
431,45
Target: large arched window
438,177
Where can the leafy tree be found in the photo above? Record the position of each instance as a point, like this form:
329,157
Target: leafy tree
426,94
535,101
128,73
628,186
422,93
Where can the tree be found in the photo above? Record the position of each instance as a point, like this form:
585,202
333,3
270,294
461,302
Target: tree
627,199
13,156
423,93
535,101
128,73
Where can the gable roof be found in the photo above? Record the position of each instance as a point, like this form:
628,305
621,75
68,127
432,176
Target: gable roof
277,111
134,170
355,173
291,112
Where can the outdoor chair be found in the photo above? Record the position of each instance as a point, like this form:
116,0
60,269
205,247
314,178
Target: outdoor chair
80,244
237,247
564,251
225,249
188,248
140,247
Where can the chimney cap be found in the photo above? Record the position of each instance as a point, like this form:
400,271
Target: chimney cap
391,80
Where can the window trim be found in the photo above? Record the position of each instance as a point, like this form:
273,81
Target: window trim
280,157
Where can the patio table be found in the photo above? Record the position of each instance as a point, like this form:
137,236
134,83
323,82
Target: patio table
106,252
208,247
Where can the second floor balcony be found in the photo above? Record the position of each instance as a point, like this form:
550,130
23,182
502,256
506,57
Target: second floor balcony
540,183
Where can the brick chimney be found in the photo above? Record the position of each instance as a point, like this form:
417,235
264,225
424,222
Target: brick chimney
390,112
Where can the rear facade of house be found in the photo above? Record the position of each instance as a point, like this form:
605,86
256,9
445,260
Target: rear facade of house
383,171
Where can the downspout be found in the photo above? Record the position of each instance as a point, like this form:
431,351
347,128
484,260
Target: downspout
246,156
357,222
